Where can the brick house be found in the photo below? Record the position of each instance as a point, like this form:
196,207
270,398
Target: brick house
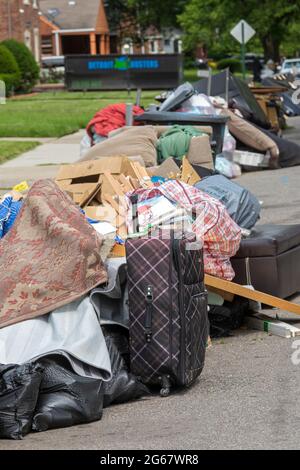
73,27
20,20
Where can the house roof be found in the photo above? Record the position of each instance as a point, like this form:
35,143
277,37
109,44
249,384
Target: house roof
76,14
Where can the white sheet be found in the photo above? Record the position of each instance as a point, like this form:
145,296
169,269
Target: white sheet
72,330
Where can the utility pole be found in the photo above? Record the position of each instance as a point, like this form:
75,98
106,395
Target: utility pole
243,51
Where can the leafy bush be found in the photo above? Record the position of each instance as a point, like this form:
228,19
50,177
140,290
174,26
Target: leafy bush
234,65
52,75
9,70
28,67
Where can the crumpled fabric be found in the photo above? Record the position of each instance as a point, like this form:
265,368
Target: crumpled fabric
9,209
175,142
220,235
110,118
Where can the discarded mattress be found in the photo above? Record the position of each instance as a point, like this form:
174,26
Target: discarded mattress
51,256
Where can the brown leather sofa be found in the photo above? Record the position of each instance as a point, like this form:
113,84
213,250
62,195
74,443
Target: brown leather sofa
270,260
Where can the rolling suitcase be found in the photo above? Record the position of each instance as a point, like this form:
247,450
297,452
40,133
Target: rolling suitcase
167,308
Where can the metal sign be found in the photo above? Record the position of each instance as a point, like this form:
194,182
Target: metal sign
119,72
242,32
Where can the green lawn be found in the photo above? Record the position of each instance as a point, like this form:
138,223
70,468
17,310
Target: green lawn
9,150
54,114
57,114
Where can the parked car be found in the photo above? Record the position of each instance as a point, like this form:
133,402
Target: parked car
53,61
291,66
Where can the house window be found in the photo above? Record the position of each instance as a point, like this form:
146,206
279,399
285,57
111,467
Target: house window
153,47
47,45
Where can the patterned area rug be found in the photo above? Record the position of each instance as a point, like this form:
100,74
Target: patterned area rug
49,258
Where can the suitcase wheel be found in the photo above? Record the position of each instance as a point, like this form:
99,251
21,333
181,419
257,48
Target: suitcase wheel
166,386
165,392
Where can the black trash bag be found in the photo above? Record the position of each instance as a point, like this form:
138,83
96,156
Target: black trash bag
123,386
228,317
66,399
19,390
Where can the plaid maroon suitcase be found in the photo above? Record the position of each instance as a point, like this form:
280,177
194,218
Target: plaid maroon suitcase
168,309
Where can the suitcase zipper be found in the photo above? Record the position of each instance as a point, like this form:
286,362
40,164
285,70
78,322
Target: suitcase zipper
178,265
149,310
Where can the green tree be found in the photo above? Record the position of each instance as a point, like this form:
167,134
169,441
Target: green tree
28,67
210,22
133,17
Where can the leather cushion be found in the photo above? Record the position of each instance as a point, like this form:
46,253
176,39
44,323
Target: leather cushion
269,240
250,135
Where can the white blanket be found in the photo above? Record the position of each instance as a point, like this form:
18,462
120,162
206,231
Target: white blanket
72,331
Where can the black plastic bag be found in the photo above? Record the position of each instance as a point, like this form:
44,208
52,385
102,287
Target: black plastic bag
19,390
230,316
66,399
123,386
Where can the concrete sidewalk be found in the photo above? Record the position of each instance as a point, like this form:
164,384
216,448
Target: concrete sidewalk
52,152
9,177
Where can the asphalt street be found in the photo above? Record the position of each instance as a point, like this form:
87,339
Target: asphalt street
247,396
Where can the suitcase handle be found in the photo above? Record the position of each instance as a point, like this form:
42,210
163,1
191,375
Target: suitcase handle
149,309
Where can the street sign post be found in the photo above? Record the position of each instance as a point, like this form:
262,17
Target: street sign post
243,32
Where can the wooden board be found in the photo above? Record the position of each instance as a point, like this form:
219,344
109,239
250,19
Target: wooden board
261,297
272,326
226,295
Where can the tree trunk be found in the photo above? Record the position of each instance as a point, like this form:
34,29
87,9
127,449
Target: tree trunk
271,47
